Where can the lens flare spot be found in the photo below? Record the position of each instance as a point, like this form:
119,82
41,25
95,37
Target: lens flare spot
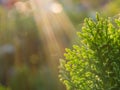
56,8
23,7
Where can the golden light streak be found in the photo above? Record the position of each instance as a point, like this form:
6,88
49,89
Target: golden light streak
55,26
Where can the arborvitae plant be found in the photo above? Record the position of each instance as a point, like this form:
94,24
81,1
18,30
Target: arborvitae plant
94,64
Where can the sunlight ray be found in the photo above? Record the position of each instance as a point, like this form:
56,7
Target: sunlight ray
55,29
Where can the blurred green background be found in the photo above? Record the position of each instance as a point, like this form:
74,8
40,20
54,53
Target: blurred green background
33,36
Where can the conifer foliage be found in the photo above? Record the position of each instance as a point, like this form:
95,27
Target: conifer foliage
94,63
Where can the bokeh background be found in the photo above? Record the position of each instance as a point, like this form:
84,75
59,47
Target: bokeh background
34,35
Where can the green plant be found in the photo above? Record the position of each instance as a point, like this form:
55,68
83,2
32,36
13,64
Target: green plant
94,63
4,88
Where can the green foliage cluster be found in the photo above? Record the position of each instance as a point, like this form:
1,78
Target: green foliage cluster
4,88
94,64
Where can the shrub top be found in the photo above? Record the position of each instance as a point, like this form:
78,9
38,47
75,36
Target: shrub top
94,64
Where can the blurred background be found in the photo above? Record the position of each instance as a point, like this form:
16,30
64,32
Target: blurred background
34,34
